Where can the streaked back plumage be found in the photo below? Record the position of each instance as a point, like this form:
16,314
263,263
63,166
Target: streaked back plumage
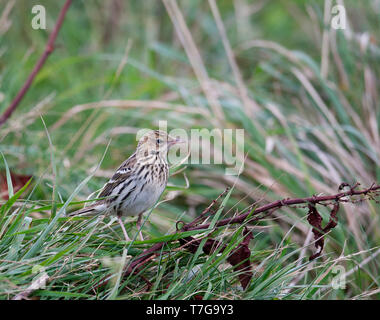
139,181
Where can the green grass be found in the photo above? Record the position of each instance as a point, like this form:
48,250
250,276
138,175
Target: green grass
308,134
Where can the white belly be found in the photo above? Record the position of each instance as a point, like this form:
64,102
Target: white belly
141,201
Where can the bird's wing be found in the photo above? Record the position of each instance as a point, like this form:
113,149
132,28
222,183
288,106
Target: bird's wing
122,173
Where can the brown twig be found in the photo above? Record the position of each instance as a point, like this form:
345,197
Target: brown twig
205,211
150,253
288,202
48,50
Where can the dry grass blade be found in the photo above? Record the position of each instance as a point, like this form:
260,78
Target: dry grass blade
126,104
194,57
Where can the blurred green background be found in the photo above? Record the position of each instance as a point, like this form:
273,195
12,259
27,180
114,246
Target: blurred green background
305,94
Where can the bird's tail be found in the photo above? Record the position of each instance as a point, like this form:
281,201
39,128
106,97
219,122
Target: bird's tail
86,211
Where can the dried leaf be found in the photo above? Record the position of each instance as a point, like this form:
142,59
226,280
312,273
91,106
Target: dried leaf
333,218
208,248
18,181
315,220
239,258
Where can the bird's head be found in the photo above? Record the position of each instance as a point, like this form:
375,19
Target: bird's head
156,143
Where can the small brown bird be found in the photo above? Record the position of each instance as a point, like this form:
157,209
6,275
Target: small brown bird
138,183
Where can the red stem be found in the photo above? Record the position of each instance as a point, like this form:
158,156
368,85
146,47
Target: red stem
286,202
48,50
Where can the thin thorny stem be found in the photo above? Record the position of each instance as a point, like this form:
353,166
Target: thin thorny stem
149,253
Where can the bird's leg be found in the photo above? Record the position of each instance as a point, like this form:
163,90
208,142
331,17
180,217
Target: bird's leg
123,228
138,224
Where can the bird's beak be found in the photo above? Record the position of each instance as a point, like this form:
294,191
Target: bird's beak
172,141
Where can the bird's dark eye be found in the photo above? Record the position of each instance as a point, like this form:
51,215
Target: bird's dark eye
158,141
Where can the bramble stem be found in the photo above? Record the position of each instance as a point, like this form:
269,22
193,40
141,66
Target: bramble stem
48,50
